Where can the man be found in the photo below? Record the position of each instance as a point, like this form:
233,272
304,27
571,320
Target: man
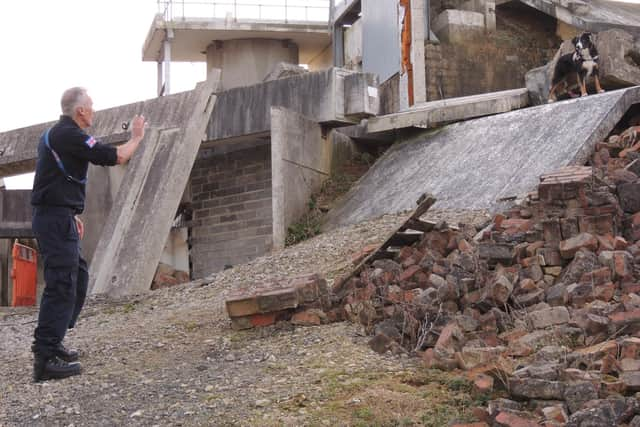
64,154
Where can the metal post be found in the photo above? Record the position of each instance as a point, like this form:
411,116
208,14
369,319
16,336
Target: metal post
235,10
183,9
286,11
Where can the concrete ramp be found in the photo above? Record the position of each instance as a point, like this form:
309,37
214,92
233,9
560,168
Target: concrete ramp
479,163
138,224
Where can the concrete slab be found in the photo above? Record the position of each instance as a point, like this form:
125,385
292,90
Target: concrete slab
437,113
592,15
18,147
479,163
300,163
138,224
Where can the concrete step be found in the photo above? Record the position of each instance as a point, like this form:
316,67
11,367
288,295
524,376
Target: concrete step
437,113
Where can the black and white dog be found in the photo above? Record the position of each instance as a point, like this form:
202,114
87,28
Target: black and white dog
580,64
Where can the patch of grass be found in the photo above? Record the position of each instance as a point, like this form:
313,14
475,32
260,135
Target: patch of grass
129,307
422,397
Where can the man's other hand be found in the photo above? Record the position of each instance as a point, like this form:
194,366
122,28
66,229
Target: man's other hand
79,226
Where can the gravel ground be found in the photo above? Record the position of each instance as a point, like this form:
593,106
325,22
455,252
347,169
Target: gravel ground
169,357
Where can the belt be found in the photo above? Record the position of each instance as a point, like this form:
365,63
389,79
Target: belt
54,210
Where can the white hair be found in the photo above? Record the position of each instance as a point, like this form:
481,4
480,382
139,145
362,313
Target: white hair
72,99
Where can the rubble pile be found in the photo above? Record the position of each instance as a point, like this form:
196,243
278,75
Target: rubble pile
541,305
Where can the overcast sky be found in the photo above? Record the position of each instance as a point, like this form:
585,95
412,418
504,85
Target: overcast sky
48,46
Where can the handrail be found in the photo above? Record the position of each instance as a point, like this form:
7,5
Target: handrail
275,11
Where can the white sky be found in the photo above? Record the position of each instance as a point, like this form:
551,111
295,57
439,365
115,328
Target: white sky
47,46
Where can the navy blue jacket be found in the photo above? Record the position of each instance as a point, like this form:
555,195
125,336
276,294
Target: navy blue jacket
76,149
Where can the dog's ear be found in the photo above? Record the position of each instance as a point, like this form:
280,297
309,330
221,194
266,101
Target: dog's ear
575,41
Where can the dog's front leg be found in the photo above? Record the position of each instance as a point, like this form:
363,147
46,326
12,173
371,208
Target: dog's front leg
596,76
582,80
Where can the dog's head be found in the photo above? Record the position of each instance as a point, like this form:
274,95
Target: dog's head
583,41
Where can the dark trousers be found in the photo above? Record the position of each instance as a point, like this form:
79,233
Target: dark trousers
65,274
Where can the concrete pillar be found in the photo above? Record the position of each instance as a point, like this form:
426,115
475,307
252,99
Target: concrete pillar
300,163
166,45
417,51
246,62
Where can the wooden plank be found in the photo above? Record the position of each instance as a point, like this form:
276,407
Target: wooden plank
425,203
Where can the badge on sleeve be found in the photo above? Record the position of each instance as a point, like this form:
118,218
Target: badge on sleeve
91,141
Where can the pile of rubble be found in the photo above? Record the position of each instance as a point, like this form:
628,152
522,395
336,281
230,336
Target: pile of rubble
541,305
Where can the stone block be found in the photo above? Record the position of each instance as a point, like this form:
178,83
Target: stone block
576,394
532,388
557,295
457,26
541,319
555,414
630,348
549,257
551,230
631,380
495,253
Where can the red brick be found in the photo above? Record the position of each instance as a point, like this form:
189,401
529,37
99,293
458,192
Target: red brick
550,257
255,320
306,318
409,272
359,256
511,420
528,262
242,306
533,248
620,243
597,224
482,384
277,299
604,292
630,348
513,226
464,246
569,247
605,243
597,277
551,230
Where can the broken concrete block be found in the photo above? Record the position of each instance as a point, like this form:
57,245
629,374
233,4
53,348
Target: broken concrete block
457,26
615,47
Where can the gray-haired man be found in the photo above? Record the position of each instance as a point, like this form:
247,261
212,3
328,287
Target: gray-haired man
64,154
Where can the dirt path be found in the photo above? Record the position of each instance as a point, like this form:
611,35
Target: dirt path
170,358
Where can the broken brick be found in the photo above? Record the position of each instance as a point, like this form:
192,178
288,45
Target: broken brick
569,247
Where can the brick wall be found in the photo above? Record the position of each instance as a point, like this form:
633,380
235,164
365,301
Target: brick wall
231,194
525,38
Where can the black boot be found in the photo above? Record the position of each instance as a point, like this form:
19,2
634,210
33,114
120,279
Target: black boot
51,368
66,354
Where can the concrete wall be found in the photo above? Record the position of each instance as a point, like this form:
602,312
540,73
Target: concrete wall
301,161
231,193
247,61
353,46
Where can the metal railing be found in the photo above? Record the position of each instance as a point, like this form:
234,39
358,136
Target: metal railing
252,10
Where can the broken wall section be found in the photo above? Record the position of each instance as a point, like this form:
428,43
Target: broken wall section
231,202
